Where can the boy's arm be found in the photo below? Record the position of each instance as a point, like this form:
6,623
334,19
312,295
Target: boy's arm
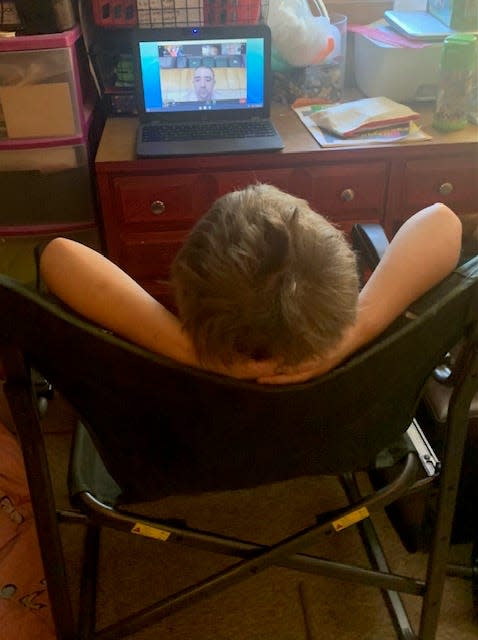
96,288
424,250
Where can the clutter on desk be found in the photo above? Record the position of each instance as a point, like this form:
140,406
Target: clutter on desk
361,122
308,51
400,55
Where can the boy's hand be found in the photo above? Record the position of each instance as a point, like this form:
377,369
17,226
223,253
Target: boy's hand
273,371
246,369
318,365
298,373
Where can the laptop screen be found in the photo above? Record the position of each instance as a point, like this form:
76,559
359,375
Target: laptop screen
203,70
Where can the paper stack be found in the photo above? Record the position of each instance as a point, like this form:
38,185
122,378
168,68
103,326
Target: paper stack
362,122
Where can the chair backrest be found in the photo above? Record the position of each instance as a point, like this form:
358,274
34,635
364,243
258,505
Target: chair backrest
164,428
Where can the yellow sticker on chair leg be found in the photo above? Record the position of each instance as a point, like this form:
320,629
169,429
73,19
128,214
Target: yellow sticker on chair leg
350,519
150,532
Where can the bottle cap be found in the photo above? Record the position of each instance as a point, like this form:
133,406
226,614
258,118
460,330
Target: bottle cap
459,52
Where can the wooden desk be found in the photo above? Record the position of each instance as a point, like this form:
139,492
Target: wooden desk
149,205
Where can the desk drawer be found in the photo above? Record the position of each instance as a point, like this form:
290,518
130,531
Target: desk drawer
290,180
449,179
344,193
163,202
350,193
149,255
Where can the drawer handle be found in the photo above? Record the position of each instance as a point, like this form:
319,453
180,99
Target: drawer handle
158,207
347,195
445,189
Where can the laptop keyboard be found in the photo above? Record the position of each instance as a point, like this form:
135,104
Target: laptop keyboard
206,131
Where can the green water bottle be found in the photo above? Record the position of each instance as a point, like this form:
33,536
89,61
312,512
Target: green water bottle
458,60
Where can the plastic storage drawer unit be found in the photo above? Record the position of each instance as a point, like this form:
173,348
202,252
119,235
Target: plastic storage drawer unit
43,86
45,185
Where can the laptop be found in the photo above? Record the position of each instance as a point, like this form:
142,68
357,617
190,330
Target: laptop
419,25
436,22
204,90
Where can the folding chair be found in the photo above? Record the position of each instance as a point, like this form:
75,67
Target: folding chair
151,427
411,517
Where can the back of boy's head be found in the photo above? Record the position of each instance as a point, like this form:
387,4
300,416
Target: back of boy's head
261,275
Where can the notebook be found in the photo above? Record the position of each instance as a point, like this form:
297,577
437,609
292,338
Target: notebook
434,23
204,90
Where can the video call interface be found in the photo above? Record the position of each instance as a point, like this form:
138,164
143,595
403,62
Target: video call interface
202,75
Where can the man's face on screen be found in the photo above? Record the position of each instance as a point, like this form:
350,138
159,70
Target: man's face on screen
203,82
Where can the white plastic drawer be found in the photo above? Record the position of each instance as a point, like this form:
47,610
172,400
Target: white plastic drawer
42,92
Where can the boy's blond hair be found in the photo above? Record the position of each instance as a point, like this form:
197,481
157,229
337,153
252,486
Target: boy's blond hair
262,275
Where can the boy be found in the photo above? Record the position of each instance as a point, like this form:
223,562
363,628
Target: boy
266,288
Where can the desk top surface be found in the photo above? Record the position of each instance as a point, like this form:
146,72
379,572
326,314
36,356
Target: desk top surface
118,139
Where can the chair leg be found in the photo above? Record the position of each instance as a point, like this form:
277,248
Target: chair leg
474,576
87,610
43,503
377,559
457,427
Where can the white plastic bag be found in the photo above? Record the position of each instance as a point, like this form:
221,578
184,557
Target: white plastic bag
300,38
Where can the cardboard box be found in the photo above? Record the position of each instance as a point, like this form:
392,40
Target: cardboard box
38,110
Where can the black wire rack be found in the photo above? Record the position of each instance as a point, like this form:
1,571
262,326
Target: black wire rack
177,13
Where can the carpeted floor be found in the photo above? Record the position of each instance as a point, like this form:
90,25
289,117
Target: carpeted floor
278,604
